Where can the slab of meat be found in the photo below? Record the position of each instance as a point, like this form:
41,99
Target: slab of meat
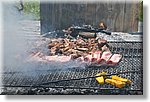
106,56
57,58
94,57
88,58
115,59
43,58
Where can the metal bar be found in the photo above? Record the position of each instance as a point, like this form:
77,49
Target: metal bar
125,41
9,72
88,77
69,87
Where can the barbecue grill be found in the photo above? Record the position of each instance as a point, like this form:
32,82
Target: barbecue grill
82,80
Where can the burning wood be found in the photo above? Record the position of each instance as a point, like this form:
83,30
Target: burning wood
102,25
86,31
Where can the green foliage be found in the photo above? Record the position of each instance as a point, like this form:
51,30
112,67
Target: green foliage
33,8
141,11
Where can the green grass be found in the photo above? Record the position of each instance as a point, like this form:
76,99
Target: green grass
32,8
141,11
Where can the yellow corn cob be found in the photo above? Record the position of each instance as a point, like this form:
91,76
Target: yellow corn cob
100,79
116,83
121,79
110,81
100,74
120,84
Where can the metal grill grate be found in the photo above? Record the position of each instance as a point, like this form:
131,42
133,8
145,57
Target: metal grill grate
132,61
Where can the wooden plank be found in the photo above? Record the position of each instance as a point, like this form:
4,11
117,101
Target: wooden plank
117,16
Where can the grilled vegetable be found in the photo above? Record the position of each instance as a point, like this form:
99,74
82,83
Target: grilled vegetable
121,79
116,83
100,79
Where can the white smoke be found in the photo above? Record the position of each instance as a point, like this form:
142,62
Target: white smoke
14,44
17,48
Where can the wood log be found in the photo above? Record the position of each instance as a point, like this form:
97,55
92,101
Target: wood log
87,34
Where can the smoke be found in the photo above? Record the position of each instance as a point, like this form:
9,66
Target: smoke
17,46
13,41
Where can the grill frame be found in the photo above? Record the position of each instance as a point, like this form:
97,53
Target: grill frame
130,50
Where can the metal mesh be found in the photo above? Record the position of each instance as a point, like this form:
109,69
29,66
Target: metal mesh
131,61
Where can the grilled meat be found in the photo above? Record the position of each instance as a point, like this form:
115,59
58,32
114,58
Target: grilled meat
88,50
114,59
106,56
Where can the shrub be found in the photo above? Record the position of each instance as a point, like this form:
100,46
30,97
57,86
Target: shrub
33,8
